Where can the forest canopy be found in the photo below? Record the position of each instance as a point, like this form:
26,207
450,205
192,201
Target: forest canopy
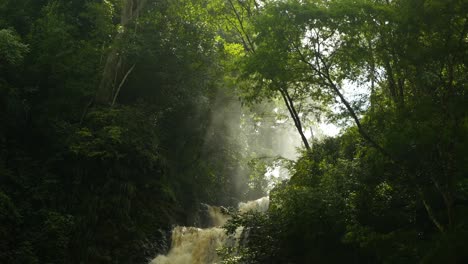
120,118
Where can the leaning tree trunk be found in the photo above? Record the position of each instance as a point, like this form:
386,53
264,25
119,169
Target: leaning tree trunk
115,70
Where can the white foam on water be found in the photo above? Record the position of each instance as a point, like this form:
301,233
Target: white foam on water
259,205
191,245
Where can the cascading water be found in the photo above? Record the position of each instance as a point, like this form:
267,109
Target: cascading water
259,205
191,245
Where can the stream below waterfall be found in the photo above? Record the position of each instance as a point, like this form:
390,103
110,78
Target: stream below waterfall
192,245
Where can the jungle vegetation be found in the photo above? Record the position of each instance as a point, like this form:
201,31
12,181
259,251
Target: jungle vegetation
119,117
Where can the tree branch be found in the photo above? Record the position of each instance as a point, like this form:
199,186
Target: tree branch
241,24
292,111
121,84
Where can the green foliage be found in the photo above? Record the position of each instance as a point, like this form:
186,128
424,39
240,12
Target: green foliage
83,183
12,50
390,189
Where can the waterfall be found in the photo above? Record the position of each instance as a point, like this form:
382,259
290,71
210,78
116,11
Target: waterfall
259,205
192,245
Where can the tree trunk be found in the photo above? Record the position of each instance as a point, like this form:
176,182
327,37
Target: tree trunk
295,116
115,66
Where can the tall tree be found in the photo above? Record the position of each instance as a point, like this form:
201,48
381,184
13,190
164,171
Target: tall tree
116,68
